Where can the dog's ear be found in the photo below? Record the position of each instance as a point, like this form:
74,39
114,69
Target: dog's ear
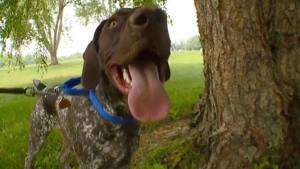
91,71
167,72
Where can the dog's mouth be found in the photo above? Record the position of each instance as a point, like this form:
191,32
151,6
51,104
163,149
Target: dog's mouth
142,80
122,74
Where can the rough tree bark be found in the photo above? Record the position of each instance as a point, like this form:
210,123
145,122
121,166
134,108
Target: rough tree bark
250,107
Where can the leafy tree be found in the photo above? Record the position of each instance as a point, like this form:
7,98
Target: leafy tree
21,24
2,61
175,46
181,45
76,55
193,43
249,111
94,11
29,59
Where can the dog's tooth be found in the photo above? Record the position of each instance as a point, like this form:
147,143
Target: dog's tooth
126,76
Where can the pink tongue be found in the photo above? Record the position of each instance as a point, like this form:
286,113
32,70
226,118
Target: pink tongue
148,101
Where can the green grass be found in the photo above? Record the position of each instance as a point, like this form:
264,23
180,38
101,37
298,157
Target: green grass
183,88
169,157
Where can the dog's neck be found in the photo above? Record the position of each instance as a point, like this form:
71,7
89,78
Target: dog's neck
112,100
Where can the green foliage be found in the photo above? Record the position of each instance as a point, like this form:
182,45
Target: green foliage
94,11
41,62
29,59
263,164
193,43
181,45
174,153
38,60
2,63
73,56
19,21
24,25
21,24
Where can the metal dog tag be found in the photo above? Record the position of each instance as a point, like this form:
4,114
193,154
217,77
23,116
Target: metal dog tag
64,103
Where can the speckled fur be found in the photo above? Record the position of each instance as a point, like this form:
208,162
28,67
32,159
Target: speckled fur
96,142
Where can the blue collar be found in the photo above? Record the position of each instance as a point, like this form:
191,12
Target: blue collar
69,90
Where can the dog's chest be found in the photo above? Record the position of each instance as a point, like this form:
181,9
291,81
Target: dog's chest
94,139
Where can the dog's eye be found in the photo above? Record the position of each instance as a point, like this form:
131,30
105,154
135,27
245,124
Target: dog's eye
113,24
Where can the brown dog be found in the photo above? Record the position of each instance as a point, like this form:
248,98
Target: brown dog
126,65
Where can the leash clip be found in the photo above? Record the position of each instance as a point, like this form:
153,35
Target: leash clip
56,90
29,91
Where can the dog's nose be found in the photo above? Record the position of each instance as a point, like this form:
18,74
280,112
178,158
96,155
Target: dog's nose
143,16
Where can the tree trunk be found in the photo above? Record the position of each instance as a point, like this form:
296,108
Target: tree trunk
54,60
57,31
250,106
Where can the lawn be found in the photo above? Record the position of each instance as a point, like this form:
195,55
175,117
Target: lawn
183,88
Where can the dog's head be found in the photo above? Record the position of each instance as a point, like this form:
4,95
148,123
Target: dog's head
131,49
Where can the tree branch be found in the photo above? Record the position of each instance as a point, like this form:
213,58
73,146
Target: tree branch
56,29
50,41
66,4
59,30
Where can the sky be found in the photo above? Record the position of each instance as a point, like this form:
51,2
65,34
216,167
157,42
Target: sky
182,12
